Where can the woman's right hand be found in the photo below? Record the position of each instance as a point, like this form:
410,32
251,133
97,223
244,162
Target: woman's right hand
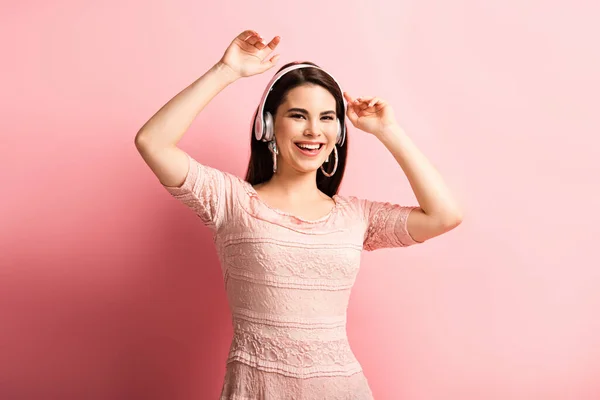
247,53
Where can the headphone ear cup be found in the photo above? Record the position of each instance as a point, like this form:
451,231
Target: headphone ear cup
339,131
268,131
258,128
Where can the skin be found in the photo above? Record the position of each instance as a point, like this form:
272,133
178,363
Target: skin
293,188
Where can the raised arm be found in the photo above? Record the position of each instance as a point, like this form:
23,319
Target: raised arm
157,139
438,210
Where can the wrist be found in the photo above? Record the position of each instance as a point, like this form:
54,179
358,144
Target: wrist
393,130
226,71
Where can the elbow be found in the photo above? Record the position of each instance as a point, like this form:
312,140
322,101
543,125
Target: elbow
449,219
453,220
143,141
140,138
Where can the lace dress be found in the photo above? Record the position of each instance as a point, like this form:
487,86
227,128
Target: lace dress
288,283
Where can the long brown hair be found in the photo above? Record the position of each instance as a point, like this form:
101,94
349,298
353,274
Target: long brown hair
260,165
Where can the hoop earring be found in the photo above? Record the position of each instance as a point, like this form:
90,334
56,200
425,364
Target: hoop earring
273,148
335,165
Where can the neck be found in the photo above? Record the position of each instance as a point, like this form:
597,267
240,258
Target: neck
294,185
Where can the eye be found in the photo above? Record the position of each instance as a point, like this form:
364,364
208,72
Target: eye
327,117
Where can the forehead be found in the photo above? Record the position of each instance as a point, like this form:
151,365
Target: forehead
307,95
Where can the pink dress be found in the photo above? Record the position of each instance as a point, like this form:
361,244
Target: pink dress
288,283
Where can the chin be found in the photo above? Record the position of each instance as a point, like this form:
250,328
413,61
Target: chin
307,167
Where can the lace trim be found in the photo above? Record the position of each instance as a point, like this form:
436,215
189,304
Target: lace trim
276,350
289,282
256,258
243,382
252,192
290,321
251,204
387,227
284,301
294,372
242,238
200,192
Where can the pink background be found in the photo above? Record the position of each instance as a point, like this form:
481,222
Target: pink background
110,289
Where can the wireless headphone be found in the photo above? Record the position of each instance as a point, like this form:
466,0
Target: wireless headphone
263,125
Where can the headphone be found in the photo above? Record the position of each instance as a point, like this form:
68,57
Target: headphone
263,125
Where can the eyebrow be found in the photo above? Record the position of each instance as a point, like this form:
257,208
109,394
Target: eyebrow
303,111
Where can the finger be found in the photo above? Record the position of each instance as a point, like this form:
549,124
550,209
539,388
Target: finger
365,99
373,101
352,116
246,34
351,112
253,39
379,103
271,45
362,102
355,109
274,42
377,106
271,63
362,106
260,44
348,98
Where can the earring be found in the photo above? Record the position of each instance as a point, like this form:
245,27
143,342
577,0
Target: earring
335,165
273,148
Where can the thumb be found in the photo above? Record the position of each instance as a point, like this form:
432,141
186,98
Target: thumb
350,112
271,63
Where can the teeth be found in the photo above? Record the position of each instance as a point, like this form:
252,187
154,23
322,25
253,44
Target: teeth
309,146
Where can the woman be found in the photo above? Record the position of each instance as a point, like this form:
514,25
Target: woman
288,245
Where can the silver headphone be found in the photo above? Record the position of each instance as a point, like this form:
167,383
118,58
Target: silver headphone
263,126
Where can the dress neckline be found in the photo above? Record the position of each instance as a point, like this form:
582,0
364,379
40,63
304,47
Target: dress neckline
325,217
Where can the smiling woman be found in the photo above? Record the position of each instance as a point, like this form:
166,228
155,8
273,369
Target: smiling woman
300,113
290,246
304,105
298,126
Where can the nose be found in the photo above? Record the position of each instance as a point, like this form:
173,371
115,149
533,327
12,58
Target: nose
313,128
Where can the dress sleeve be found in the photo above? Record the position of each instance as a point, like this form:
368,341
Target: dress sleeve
386,225
205,191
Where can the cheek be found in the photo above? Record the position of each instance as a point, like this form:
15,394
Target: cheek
332,132
285,128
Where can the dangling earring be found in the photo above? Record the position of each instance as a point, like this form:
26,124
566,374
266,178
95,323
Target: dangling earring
273,148
335,165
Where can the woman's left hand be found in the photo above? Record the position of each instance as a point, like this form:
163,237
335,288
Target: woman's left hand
370,114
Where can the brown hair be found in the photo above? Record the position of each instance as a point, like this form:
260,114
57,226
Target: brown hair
260,165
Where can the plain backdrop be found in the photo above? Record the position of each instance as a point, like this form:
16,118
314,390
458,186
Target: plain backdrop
111,289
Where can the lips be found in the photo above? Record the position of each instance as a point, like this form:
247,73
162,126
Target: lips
299,144
309,152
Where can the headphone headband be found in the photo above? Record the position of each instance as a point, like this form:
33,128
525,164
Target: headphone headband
261,127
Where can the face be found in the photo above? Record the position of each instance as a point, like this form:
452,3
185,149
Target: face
306,127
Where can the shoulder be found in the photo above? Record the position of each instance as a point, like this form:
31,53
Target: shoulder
369,209
351,204
352,201
214,173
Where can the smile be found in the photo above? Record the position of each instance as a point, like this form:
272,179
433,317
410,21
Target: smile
309,149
